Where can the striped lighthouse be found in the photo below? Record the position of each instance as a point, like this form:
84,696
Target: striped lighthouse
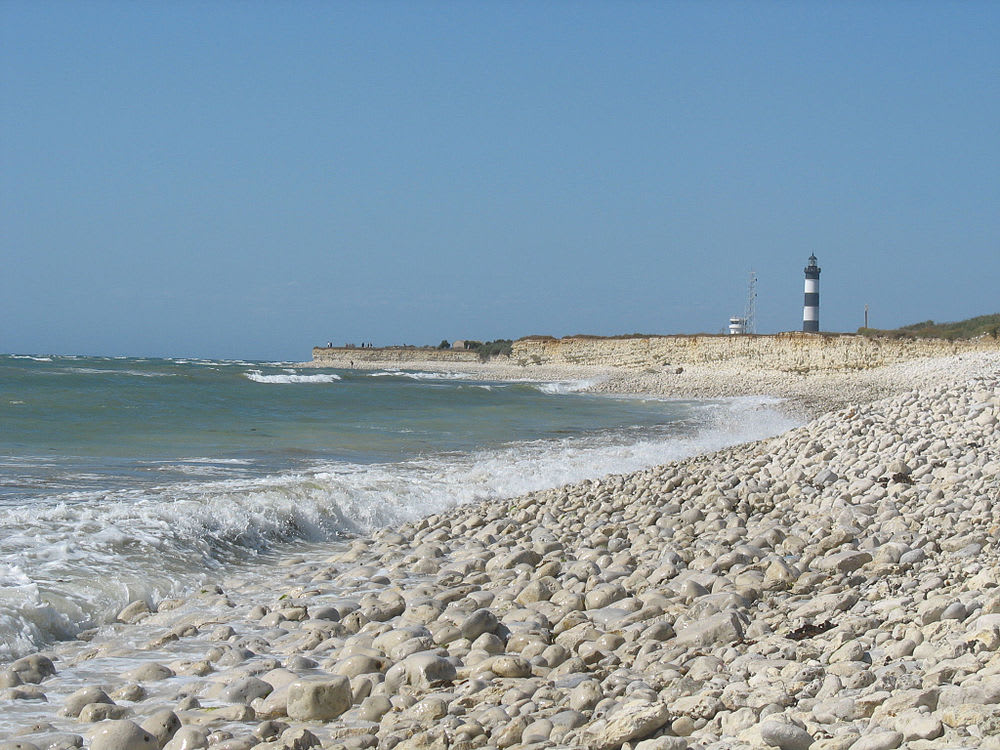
810,308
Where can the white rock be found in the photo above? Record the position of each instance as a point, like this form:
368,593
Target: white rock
319,699
785,736
632,721
878,741
722,629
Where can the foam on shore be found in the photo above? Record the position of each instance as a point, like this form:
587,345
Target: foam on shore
95,551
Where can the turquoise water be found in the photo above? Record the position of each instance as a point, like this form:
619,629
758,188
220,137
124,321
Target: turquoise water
73,424
128,478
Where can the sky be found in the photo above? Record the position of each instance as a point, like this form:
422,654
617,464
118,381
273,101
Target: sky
248,180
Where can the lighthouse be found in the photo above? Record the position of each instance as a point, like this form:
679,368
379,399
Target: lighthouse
810,308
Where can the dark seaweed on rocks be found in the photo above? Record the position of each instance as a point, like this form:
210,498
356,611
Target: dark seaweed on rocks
809,630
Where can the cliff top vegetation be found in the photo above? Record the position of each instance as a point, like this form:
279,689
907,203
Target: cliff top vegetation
984,325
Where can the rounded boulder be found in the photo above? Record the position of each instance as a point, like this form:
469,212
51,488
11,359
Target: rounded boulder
319,700
122,734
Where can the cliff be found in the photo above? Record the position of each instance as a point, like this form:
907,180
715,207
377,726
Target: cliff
786,352
340,356
789,352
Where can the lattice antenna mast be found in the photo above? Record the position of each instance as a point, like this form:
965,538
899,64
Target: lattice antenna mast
750,312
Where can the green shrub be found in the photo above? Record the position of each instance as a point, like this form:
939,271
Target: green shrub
963,329
500,347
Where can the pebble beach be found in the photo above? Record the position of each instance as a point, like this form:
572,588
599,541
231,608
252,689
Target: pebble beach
836,587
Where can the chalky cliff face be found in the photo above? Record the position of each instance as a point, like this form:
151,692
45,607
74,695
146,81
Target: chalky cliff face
789,352
786,352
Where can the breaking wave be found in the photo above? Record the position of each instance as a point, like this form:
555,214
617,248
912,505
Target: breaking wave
75,560
258,377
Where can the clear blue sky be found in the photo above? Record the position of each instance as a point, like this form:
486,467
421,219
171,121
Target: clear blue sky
250,179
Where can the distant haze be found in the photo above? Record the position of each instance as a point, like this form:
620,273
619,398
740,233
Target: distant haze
248,180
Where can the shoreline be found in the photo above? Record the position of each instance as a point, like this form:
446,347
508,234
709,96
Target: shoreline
809,395
763,595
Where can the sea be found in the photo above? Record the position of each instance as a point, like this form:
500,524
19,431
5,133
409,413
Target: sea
126,478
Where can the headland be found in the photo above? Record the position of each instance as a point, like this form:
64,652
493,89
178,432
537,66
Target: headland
814,372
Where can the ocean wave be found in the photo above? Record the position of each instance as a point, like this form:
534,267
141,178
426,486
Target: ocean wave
211,362
27,620
418,375
228,461
258,377
567,386
73,563
133,373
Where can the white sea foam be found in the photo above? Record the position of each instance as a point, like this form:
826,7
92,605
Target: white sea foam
568,386
228,461
75,562
212,362
418,375
258,377
133,373
26,619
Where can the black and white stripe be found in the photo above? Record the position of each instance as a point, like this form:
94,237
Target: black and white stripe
810,308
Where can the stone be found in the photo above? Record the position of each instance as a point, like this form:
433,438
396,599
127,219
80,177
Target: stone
270,729
163,725
631,721
699,706
298,738
510,666
358,664
915,726
94,712
987,718
150,672
663,743
75,702
537,731
539,590
122,735
244,691
785,736
9,678
380,610
878,741
188,738
319,699
374,707
34,668
134,612
586,695
509,734
425,669
245,742
130,691
36,736
843,562
724,628
479,622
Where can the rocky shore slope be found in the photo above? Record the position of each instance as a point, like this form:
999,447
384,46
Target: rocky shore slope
836,587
